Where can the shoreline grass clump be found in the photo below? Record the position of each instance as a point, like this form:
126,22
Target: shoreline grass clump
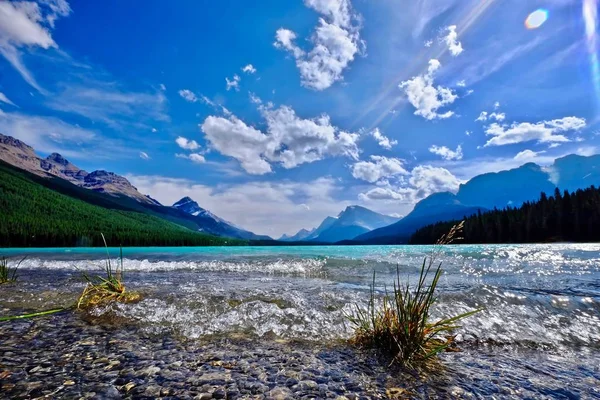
8,274
104,290
401,326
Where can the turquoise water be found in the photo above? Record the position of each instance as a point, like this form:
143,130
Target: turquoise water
540,300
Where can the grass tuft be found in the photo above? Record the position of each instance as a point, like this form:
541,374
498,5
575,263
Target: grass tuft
102,290
8,274
400,327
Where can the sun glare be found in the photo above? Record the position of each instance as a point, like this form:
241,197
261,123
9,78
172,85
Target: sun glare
536,19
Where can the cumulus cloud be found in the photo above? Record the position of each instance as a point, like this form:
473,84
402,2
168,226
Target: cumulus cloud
379,168
425,180
422,181
382,140
249,69
446,153
144,156
26,24
485,116
527,155
233,83
188,95
425,97
451,40
382,193
543,132
336,42
288,140
186,144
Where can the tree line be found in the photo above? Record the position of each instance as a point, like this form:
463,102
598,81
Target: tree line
564,216
32,215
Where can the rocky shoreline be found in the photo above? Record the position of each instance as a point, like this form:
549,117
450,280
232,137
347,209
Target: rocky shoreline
66,357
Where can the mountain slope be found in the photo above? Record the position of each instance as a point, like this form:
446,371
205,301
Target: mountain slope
35,215
210,223
351,222
493,190
302,234
19,154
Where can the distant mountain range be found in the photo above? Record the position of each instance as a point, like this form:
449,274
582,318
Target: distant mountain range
355,224
492,190
212,224
121,193
352,222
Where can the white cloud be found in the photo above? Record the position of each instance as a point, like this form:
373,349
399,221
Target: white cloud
484,116
49,134
423,180
426,98
249,69
527,155
336,42
254,99
446,153
461,83
383,141
162,87
428,43
6,100
382,193
234,83
188,95
451,40
105,101
379,168
496,105
26,24
542,132
289,140
252,205
468,133
187,144
194,157
144,156
154,130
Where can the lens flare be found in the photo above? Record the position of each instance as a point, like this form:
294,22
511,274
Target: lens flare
536,19
590,17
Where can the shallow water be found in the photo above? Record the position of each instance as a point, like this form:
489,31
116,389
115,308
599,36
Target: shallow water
539,335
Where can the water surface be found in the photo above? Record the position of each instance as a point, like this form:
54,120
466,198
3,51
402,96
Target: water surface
540,329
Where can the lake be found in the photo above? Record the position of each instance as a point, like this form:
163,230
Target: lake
281,311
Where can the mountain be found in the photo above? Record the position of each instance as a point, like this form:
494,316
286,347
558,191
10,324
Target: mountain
301,235
19,154
351,222
492,190
109,190
212,224
40,212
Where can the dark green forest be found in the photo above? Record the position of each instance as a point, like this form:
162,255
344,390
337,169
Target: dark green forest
32,215
568,217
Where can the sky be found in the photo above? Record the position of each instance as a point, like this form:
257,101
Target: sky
276,114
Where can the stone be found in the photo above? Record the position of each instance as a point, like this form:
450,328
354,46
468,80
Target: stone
280,393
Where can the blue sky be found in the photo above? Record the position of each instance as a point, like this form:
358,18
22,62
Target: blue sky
277,114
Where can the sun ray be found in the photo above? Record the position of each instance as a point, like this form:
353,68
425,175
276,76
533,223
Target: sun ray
463,24
590,17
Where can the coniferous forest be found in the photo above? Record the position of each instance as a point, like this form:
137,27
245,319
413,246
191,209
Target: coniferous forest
568,217
32,215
